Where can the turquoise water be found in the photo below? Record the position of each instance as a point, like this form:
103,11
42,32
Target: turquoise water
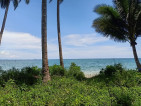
87,65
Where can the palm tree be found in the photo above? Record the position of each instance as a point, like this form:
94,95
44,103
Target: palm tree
5,4
45,68
122,23
59,33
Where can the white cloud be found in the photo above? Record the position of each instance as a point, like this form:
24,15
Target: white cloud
83,39
17,45
98,52
4,53
19,41
26,46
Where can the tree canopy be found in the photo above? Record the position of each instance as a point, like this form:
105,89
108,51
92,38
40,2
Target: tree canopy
120,22
5,3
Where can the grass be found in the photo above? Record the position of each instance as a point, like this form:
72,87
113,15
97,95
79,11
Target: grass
120,87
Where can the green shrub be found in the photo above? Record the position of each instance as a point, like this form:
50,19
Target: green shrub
27,75
67,91
110,70
57,70
124,96
9,74
116,75
120,89
75,71
30,75
127,78
1,70
35,71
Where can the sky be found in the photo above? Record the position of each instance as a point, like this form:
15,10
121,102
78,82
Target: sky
22,35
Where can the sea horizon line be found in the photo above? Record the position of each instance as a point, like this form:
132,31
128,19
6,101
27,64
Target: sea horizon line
70,59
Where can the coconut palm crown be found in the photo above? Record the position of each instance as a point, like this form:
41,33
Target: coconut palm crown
122,22
5,4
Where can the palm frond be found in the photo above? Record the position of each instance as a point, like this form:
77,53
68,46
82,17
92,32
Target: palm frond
15,3
106,10
4,3
138,26
122,22
27,1
111,28
50,1
122,7
60,1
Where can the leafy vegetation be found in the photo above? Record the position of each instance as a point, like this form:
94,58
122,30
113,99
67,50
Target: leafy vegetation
111,70
27,75
57,70
75,71
113,86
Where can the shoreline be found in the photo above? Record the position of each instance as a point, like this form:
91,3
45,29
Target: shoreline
90,75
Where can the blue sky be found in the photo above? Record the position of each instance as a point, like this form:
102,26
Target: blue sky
22,36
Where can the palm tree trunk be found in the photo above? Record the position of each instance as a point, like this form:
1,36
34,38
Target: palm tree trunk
136,57
4,21
59,34
45,67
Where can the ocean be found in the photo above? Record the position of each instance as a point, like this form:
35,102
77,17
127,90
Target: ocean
88,66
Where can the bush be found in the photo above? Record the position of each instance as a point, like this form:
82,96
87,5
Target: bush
127,78
30,75
27,75
75,71
1,70
110,70
121,89
124,96
57,70
9,74
35,71
116,75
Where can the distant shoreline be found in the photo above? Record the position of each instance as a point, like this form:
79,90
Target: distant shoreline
90,75
69,59
89,66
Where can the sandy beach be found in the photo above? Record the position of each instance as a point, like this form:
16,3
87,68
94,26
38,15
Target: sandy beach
90,75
